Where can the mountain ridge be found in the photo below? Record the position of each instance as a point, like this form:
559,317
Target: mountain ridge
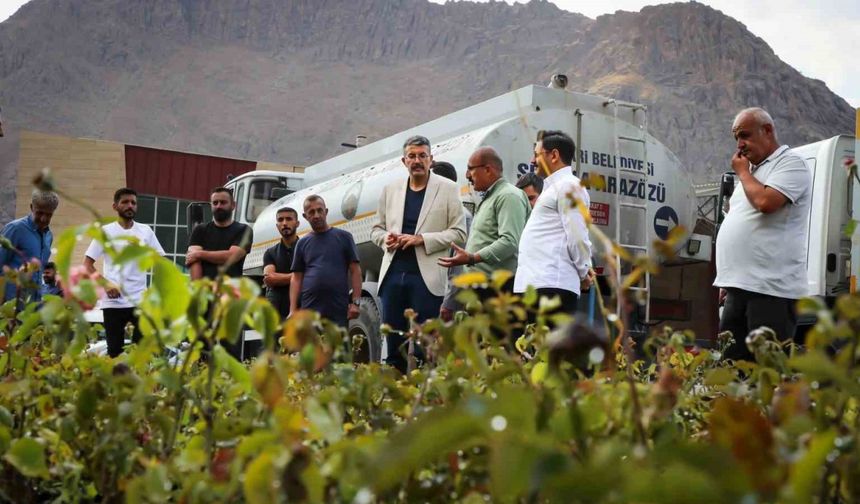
289,80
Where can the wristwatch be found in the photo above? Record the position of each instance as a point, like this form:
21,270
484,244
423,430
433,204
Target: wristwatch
471,260
356,302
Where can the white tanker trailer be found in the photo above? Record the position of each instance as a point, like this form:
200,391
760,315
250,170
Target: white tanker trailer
646,191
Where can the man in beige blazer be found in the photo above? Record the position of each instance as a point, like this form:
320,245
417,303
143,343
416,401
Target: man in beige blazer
419,218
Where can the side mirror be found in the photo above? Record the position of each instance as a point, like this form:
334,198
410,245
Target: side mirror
727,188
727,185
194,216
278,192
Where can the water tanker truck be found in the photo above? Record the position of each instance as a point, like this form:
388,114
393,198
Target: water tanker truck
645,192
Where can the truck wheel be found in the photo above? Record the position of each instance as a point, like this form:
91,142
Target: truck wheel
367,325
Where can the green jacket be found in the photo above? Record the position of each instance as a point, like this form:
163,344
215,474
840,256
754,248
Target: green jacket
496,228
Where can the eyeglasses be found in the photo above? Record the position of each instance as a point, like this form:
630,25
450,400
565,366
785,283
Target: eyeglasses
422,156
470,168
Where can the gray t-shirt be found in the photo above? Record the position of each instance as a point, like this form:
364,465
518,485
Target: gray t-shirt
766,253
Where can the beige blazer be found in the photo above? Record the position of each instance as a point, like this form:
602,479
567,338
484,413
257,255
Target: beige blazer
440,222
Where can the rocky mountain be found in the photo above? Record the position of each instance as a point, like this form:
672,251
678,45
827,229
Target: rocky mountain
288,80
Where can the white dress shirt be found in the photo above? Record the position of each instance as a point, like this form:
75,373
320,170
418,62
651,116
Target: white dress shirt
555,251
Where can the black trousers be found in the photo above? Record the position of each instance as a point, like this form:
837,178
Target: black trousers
115,320
569,301
402,290
745,311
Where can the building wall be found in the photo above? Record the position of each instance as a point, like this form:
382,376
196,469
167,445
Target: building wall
85,169
91,170
265,165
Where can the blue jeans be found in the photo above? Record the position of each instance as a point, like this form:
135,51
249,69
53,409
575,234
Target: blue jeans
400,291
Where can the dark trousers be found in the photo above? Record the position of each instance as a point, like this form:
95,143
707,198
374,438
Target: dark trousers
115,320
569,301
401,291
746,311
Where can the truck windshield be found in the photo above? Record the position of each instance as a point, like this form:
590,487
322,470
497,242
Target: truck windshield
260,196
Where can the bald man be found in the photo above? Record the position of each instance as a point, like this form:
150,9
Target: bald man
761,246
498,223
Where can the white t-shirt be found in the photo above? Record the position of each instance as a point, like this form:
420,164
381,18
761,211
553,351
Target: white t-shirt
554,250
766,253
130,279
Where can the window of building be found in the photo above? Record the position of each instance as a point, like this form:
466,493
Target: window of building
167,217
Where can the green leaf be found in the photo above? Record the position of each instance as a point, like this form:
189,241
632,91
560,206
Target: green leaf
65,247
530,297
232,320
539,372
132,253
265,320
172,288
328,422
28,456
719,377
810,306
849,228
426,439
233,367
818,367
260,479
6,417
806,473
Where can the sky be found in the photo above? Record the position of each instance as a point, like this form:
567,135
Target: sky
813,36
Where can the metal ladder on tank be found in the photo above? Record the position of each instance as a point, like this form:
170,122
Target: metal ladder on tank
633,248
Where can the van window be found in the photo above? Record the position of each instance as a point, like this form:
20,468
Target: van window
239,196
260,196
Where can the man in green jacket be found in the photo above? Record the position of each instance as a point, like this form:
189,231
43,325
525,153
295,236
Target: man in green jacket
498,222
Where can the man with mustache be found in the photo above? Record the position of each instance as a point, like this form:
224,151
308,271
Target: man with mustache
325,268
126,282
221,243
278,261
498,223
761,246
419,218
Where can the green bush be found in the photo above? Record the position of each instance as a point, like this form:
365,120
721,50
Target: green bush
571,416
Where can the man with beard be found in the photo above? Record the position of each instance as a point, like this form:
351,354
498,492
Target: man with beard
278,260
50,283
325,268
126,282
419,218
220,243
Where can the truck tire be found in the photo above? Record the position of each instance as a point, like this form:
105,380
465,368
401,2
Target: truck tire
367,325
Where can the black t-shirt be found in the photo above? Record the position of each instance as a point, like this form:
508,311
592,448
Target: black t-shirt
324,258
281,256
214,238
405,261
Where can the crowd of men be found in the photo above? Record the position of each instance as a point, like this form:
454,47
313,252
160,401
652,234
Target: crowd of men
427,237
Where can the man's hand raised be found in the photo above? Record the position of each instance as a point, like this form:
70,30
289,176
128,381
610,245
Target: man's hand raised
459,258
740,163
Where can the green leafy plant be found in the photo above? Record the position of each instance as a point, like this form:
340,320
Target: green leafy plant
502,411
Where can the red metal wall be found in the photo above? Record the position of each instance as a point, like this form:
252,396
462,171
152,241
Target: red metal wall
178,174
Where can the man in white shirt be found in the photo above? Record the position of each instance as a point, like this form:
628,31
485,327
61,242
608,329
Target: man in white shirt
554,250
761,246
127,282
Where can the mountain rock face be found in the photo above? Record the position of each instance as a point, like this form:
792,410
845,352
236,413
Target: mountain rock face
288,80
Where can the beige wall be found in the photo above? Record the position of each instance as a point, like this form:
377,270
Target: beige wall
265,165
88,170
